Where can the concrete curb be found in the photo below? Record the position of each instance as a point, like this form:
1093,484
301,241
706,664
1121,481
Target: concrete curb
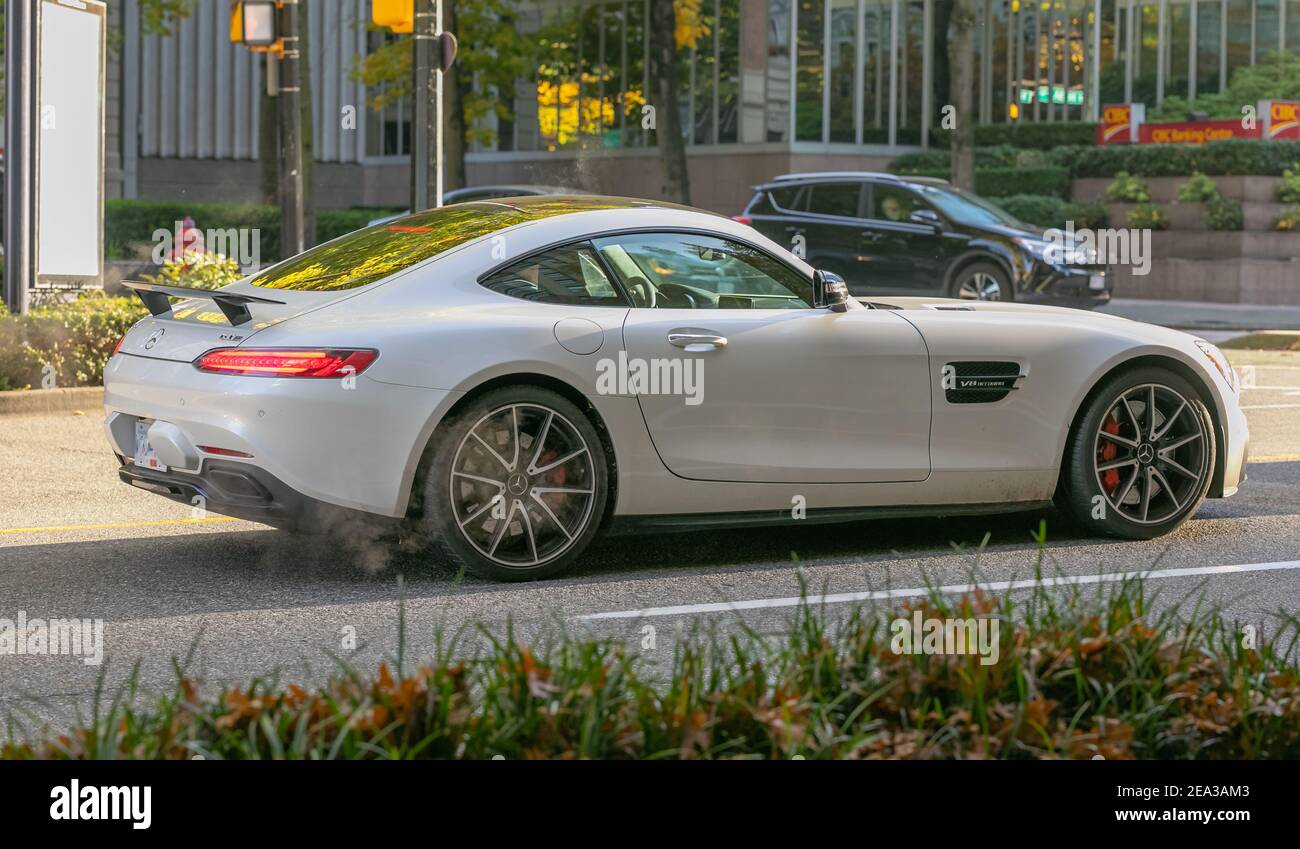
30,402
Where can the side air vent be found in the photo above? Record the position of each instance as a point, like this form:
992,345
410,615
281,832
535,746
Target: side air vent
979,382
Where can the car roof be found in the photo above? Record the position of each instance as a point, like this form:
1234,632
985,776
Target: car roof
806,177
513,189
494,214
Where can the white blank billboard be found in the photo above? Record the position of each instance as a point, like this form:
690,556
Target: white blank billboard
70,147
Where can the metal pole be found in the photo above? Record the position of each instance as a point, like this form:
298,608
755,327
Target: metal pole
421,64
20,99
438,150
292,232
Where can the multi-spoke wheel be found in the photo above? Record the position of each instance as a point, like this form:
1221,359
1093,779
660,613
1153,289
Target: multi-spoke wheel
1141,457
981,282
517,484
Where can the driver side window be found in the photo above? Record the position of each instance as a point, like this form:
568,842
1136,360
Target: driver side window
689,271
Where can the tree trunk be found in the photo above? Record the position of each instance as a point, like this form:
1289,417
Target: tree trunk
268,142
961,43
668,130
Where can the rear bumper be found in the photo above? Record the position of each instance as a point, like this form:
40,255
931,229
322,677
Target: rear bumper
357,448
245,492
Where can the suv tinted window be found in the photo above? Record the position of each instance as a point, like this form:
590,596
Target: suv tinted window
893,203
785,197
568,275
839,199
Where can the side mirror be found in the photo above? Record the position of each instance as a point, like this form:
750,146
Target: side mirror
830,291
928,217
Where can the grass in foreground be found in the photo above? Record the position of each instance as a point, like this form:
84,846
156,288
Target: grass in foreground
1080,674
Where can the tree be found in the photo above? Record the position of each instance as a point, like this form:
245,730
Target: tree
961,43
671,25
493,54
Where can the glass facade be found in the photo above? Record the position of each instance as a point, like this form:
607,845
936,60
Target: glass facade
872,72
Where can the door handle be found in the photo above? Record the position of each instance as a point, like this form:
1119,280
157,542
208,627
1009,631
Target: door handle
696,340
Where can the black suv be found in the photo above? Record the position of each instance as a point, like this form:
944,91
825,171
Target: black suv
886,234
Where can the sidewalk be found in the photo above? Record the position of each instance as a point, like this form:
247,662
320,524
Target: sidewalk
1200,315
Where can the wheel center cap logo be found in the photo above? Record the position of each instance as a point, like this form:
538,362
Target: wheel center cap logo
517,484
1146,453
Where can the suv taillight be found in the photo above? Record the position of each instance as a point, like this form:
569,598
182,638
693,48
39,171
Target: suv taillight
287,362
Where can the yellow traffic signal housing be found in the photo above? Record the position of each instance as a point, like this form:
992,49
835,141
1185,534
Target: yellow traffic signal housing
397,15
253,24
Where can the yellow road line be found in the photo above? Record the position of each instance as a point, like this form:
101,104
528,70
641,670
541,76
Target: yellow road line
1274,458
116,525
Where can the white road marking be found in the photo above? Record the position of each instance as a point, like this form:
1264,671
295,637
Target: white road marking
951,589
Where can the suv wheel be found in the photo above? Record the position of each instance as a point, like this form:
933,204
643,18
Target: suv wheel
981,281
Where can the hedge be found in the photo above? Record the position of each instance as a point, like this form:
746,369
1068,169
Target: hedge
1038,135
1002,182
69,342
1046,211
133,221
1232,157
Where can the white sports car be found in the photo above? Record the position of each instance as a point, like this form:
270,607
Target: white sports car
510,378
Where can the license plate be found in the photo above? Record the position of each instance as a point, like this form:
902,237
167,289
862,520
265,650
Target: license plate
1096,282
144,453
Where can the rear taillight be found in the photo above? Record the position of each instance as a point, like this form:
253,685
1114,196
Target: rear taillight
287,362
743,219
118,346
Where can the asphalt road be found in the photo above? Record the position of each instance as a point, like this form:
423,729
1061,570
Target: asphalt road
251,601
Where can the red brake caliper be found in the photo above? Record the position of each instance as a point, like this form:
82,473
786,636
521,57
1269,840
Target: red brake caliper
554,477
1110,477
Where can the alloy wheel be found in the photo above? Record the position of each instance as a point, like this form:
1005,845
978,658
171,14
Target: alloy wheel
1151,454
980,286
522,485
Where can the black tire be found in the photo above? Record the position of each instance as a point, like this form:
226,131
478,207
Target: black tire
463,510
973,278
1096,490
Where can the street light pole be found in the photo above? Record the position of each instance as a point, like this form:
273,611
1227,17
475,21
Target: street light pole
20,130
292,212
422,47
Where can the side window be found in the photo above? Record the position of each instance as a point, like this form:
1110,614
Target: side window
839,199
567,275
893,203
688,271
786,197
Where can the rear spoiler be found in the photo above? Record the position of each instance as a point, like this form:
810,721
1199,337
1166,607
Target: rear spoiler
233,305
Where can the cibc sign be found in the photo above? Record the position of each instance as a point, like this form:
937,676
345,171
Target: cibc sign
1125,123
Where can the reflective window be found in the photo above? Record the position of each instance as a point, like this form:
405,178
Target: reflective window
568,275
688,271
839,199
892,203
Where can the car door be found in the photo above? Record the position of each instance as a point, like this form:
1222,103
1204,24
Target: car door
900,256
778,391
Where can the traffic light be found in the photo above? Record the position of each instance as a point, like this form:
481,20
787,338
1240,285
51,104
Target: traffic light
253,23
397,15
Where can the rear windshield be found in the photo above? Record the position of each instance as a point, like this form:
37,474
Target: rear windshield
365,256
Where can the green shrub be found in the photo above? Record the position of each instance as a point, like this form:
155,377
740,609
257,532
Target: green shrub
1223,214
1126,188
1081,673
1198,189
1288,220
74,339
1029,135
1146,216
1288,191
197,270
1001,182
1221,158
1047,211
